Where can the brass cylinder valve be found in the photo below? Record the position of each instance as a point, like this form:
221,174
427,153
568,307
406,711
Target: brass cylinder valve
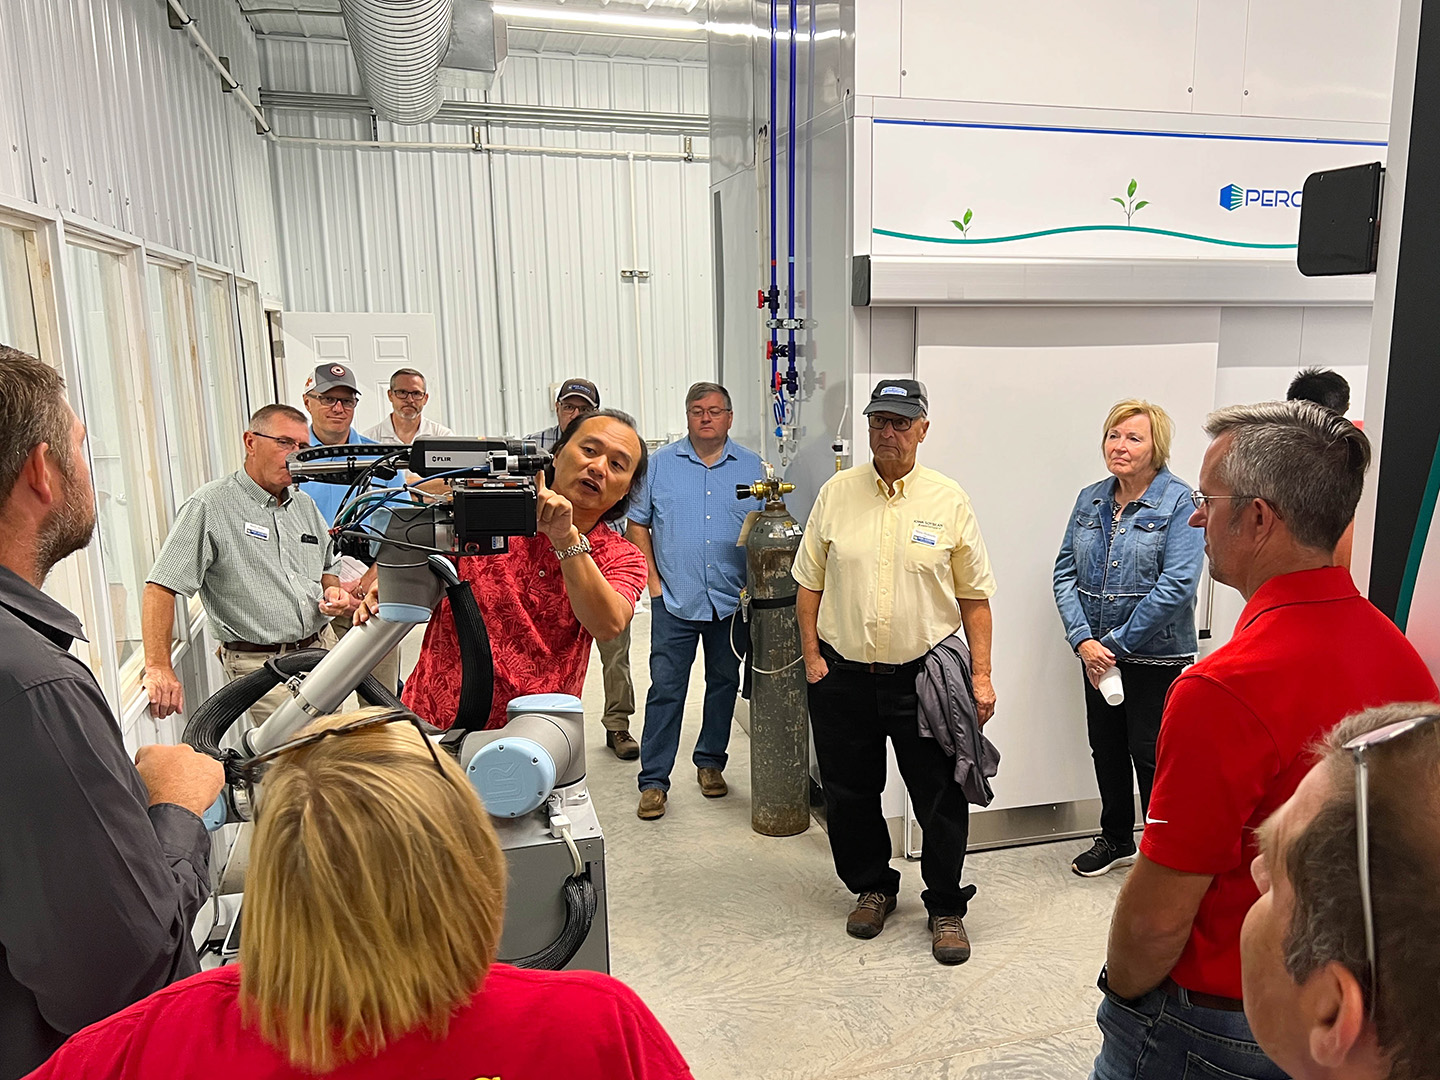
770,487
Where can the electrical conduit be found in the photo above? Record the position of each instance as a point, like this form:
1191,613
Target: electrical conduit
183,17
636,280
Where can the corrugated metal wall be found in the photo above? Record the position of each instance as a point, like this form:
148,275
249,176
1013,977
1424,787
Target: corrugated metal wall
518,256
109,115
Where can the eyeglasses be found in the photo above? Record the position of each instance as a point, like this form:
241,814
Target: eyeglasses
899,423
287,444
1200,500
707,414
343,403
408,395
1357,747
252,770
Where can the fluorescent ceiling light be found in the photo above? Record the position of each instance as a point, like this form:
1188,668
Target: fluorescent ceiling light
615,21
599,18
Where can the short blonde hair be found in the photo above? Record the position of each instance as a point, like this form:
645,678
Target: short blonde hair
375,896
1162,429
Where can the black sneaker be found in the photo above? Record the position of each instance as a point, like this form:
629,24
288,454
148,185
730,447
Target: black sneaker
1102,857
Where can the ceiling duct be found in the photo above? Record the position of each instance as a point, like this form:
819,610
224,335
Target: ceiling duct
477,46
405,50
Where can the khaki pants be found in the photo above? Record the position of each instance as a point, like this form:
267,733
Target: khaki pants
239,664
387,671
619,690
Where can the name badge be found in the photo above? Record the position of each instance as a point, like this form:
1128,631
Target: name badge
306,538
927,533
259,532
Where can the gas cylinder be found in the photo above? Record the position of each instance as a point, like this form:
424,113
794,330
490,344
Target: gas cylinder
779,736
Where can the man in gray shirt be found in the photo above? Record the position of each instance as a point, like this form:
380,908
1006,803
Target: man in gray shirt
103,864
258,552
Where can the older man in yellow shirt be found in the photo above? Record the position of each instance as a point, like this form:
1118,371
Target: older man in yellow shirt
891,564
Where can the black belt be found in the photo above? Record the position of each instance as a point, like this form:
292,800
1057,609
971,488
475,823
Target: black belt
910,667
760,604
289,646
1202,1000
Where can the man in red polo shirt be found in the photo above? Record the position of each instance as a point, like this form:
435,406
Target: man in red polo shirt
1278,486
546,598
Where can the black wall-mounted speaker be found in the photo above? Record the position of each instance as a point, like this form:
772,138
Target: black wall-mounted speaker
1340,221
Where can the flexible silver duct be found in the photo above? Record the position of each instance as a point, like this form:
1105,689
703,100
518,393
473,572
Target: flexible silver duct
398,47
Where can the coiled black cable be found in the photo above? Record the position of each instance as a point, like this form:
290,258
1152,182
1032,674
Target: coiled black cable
581,904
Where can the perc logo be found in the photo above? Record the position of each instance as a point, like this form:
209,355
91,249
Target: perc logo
1234,196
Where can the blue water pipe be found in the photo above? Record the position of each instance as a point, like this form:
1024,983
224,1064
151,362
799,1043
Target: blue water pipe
792,384
772,299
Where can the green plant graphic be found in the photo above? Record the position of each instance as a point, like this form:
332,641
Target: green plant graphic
963,224
1132,206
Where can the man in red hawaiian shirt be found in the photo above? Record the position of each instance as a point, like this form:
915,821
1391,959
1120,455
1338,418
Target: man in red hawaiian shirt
550,594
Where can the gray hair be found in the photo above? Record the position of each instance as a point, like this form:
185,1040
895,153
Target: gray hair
264,415
1327,922
1306,461
406,371
700,389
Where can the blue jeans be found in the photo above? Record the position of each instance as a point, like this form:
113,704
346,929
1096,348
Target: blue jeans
1157,1037
672,652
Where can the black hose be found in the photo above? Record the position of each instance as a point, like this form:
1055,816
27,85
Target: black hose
210,722
477,665
581,903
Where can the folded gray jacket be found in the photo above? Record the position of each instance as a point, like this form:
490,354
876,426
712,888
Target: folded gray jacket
948,715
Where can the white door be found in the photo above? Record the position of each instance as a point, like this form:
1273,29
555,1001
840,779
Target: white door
372,345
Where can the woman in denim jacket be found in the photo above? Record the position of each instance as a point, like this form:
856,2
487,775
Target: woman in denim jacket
1125,583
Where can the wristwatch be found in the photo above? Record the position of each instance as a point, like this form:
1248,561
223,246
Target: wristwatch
582,548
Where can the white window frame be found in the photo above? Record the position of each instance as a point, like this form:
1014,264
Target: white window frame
48,232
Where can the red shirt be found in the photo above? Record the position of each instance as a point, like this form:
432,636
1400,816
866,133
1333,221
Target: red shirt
1236,738
538,644
520,1025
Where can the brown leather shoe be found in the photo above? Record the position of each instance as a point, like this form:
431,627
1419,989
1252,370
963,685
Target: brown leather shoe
624,745
949,943
712,783
652,804
868,918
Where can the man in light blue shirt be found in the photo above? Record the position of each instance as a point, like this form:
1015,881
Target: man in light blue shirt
687,521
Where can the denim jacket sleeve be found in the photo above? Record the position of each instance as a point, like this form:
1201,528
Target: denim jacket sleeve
1066,584
1179,578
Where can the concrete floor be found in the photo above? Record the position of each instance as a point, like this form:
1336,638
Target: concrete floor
737,942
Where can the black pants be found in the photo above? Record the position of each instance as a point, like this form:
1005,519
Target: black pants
1125,734
852,712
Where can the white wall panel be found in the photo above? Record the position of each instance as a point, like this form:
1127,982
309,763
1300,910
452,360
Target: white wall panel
1306,59
108,114
538,296
1133,54
1334,61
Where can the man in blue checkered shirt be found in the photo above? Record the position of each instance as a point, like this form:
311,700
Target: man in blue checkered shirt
687,521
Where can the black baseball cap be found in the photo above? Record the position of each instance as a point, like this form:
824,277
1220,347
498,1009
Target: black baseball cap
903,397
581,388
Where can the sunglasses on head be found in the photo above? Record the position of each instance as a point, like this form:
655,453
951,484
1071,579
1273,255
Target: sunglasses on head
252,770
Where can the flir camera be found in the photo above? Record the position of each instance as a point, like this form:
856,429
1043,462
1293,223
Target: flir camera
492,491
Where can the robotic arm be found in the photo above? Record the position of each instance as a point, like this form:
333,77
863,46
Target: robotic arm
492,497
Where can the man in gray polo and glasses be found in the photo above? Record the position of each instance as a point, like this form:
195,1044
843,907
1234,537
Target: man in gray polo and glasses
258,552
